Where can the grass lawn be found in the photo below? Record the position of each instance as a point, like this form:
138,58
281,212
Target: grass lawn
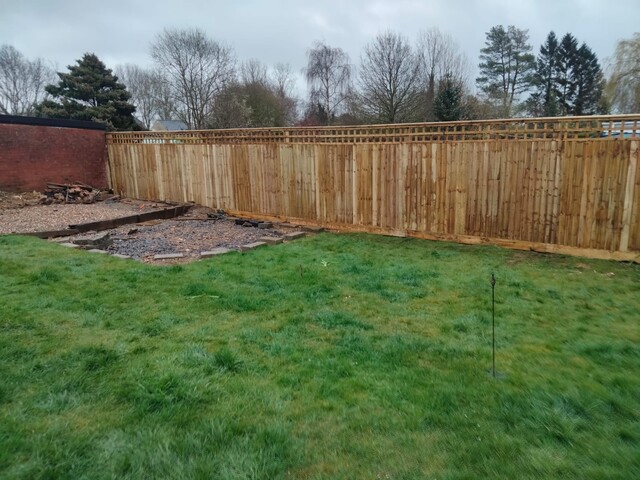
335,356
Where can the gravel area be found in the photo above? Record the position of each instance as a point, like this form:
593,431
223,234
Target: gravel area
40,218
188,237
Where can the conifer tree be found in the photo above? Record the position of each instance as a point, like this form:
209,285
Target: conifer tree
448,104
90,91
589,83
565,88
506,67
544,102
568,80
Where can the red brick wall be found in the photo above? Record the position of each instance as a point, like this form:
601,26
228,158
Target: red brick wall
32,155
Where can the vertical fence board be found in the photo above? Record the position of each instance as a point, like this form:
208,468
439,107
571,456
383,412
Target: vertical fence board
581,191
632,199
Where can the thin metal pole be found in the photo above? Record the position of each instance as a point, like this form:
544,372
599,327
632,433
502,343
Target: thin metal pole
493,320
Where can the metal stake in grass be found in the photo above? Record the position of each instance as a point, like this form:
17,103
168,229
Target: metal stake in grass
493,319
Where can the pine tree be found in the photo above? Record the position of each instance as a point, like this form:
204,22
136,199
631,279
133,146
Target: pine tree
448,104
506,66
90,91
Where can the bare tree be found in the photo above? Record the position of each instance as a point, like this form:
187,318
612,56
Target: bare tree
284,84
197,69
149,93
441,59
328,75
253,71
623,86
391,80
164,97
283,79
22,82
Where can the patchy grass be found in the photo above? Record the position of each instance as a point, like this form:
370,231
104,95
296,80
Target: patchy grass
346,356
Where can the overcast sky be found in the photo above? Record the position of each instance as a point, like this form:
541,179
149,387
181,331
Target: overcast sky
282,30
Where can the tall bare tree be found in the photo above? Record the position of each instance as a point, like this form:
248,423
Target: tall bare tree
253,71
22,82
441,59
283,78
284,83
165,98
623,86
197,69
149,92
391,80
328,75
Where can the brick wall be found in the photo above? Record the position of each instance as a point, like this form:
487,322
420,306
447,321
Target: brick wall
34,152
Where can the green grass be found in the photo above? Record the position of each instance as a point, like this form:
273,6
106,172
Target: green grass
332,357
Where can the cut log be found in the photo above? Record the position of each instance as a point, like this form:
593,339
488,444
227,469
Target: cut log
73,193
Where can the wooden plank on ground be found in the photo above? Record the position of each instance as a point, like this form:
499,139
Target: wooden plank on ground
165,213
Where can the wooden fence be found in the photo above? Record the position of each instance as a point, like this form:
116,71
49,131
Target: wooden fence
555,184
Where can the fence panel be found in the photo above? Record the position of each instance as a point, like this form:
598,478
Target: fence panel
572,182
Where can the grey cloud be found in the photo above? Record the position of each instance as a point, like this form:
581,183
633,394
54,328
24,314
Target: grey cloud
281,31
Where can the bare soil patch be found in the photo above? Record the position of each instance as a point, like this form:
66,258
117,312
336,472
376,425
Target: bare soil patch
18,200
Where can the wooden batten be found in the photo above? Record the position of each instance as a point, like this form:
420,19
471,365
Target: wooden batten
628,197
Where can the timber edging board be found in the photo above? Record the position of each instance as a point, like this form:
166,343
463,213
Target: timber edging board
164,214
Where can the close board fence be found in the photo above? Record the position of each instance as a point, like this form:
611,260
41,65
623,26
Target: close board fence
570,182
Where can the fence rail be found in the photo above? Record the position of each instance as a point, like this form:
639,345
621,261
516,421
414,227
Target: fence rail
570,182
593,127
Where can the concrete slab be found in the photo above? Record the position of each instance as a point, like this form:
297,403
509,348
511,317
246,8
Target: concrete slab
294,235
60,240
96,250
251,246
97,240
119,255
167,256
214,252
70,245
313,228
271,240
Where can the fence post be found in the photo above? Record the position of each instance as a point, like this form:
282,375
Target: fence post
628,198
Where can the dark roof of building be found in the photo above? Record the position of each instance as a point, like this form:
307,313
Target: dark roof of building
52,122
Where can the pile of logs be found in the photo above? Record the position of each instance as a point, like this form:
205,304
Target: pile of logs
73,193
